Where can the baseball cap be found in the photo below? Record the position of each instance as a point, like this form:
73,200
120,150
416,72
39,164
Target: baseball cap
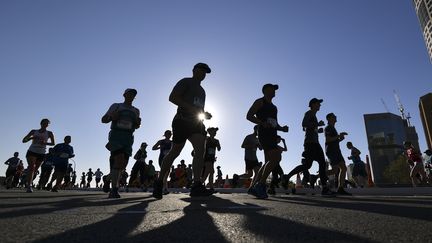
274,86
212,128
130,90
203,66
315,100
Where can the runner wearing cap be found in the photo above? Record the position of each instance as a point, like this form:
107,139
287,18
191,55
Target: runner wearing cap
264,113
164,145
124,118
212,144
312,148
189,97
334,153
36,152
359,170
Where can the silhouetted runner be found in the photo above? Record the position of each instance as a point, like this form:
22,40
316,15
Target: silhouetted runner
250,145
62,152
36,152
359,170
264,113
98,176
416,163
139,167
312,148
334,153
164,145
12,164
189,97
124,118
212,144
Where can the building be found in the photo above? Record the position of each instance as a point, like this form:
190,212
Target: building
423,10
425,106
386,133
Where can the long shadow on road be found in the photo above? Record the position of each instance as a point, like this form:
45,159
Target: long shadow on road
198,226
379,206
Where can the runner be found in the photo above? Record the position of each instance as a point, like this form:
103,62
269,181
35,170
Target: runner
219,180
277,173
98,177
139,167
428,164
187,124
46,169
89,175
250,145
359,170
334,154
67,177
12,164
312,148
264,113
212,144
124,119
164,146
36,152
74,176
62,152
416,162
83,180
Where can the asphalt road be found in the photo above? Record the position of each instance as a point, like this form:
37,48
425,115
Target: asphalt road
79,216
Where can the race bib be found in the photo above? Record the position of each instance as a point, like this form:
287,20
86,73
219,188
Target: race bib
273,123
123,124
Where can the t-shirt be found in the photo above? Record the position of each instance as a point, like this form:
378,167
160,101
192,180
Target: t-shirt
12,162
62,152
151,171
127,117
98,174
193,94
310,124
89,175
355,155
330,131
250,153
140,155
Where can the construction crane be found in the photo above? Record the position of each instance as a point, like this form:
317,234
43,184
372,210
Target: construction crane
385,105
401,108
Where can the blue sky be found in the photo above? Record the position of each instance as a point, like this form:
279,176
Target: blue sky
70,60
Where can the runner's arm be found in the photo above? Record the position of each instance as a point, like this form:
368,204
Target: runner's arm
28,137
52,141
157,145
251,115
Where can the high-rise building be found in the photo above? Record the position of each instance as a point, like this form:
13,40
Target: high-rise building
386,133
425,106
424,13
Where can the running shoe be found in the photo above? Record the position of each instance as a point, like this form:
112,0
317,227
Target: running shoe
327,192
165,192
29,190
260,189
106,184
54,189
199,190
252,191
114,193
271,191
157,189
342,192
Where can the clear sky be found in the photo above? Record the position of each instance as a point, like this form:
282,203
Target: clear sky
70,60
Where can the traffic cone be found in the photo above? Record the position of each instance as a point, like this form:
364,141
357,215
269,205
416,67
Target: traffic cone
226,183
369,173
298,182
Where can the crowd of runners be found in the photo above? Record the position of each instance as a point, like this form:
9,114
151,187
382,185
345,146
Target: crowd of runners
188,125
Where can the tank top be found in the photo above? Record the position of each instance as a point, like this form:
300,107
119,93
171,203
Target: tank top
268,113
210,152
39,142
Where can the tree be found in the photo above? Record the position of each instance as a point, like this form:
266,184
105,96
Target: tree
398,171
